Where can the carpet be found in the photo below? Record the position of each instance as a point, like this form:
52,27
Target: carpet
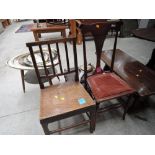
25,28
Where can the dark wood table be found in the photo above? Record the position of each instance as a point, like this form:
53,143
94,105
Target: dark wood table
145,33
137,75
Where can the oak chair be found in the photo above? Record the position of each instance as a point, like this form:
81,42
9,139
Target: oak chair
65,99
102,85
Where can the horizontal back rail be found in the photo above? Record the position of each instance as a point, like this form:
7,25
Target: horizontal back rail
50,41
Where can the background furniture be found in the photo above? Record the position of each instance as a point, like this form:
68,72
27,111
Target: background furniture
137,75
132,71
145,33
24,63
131,26
76,31
63,100
103,86
52,21
47,28
151,62
127,27
1,28
5,22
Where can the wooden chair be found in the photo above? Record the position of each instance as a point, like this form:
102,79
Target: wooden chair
102,85
62,100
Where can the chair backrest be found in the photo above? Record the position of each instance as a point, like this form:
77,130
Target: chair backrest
99,29
65,57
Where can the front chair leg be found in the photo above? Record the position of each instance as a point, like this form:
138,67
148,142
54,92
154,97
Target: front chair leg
92,121
45,128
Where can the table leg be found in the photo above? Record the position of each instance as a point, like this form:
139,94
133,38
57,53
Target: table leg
72,24
79,37
35,36
140,102
63,33
39,35
22,77
134,103
126,106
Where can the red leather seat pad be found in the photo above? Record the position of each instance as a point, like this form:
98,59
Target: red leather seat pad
107,84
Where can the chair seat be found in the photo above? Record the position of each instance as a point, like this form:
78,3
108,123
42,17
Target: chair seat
108,86
63,98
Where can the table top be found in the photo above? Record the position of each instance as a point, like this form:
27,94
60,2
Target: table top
145,33
46,26
137,75
24,61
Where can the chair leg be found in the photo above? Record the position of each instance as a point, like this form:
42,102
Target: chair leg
59,78
45,128
97,106
106,68
92,121
22,77
134,103
126,106
50,81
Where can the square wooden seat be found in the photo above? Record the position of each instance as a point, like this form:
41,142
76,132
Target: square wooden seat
62,101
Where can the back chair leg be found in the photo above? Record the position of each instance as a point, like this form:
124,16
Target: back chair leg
59,78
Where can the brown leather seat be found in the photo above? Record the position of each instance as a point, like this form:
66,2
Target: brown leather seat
107,85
